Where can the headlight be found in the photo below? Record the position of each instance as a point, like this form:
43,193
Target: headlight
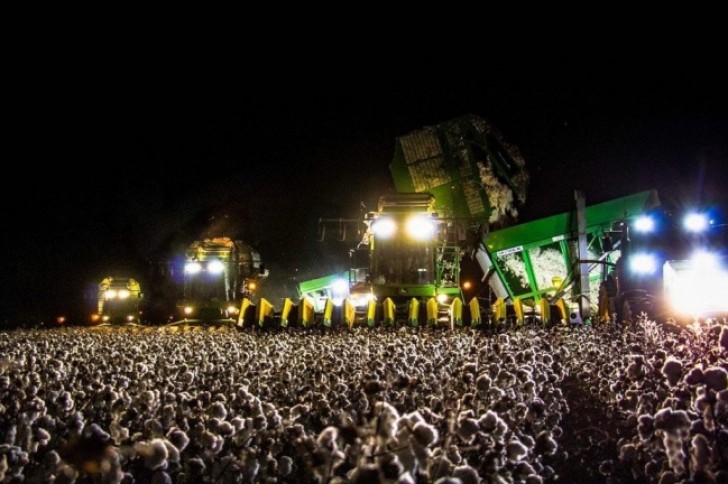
215,267
130,318
442,298
384,228
420,227
643,264
695,222
340,287
110,294
232,310
193,267
644,224
124,294
188,310
104,318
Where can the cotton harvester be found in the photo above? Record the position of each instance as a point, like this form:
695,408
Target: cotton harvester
118,301
218,274
671,268
454,180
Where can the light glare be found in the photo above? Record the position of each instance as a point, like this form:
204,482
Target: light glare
384,228
644,224
695,222
420,228
643,264
193,267
215,267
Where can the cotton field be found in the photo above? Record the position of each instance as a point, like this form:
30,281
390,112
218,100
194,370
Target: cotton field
406,405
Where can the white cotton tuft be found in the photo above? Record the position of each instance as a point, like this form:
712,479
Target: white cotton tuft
699,453
225,429
716,378
466,474
154,453
327,437
385,419
672,370
218,410
467,428
42,436
672,420
285,465
482,384
516,451
172,451
425,434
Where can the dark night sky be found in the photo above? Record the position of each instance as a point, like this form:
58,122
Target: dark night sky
137,166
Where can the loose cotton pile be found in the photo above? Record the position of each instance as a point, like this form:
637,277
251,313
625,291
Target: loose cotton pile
365,405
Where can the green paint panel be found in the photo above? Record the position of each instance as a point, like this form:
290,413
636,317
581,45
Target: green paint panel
563,226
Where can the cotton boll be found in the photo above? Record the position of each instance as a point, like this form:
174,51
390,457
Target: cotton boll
699,453
327,438
226,429
178,438
467,428
516,451
482,384
154,453
546,444
385,420
42,436
425,434
672,370
217,410
466,474
389,467
196,468
716,378
172,452
97,432
672,421
285,466
628,453
694,376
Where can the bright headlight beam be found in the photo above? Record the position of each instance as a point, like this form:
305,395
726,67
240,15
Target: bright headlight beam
110,294
384,228
124,294
643,264
695,222
193,267
644,224
420,228
340,287
215,267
